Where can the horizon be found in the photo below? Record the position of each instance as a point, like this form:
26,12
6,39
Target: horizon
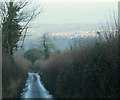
75,13
84,17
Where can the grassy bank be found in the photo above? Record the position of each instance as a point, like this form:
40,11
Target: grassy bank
14,74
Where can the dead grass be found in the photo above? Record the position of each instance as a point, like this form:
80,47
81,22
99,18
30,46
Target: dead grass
14,74
23,62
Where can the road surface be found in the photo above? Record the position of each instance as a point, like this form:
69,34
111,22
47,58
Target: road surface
34,88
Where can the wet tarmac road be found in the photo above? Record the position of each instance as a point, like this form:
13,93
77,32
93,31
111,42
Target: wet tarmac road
34,88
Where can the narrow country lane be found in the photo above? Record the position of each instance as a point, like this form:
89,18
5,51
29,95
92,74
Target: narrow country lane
34,88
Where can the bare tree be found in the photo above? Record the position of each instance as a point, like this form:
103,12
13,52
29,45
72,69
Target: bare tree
15,16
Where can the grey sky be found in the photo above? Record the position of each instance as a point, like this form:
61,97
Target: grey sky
76,12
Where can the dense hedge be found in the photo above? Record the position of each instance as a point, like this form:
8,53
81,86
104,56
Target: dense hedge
86,71
14,74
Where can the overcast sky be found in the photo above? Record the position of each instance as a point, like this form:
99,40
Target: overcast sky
64,12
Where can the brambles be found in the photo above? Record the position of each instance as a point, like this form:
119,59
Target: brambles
14,74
